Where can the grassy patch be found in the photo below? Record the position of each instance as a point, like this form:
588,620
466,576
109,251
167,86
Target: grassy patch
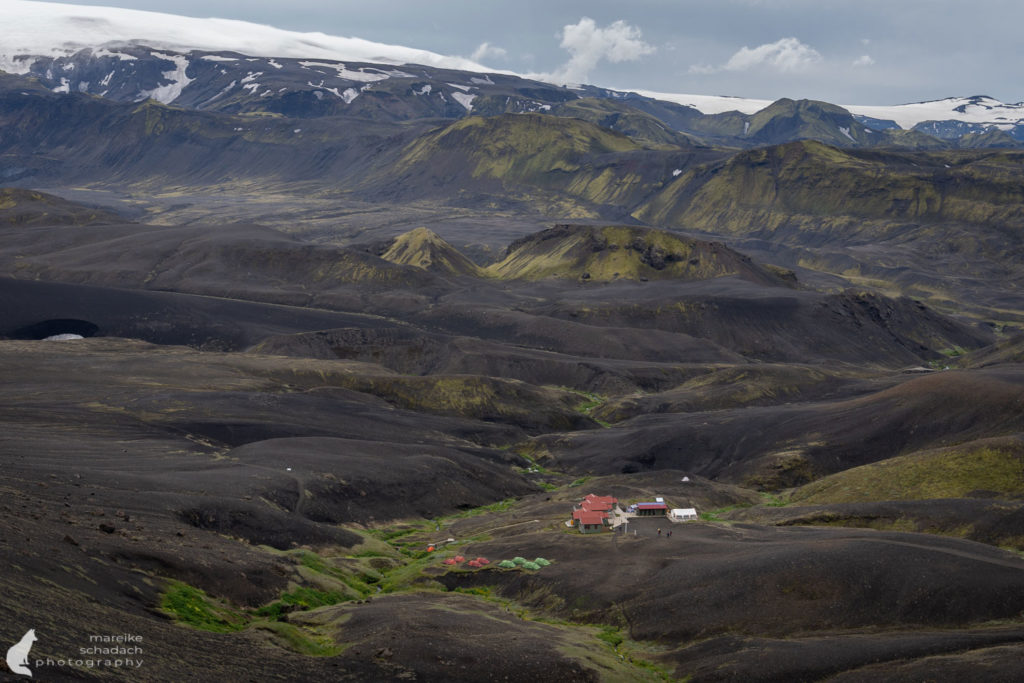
302,598
773,500
191,606
309,598
479,591
392,534
410,576
716,514
300,640
589,404
500,506
610,635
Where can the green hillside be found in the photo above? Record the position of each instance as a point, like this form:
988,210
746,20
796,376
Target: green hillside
988,467
610,253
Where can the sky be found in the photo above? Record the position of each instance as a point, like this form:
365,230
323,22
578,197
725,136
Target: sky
866,52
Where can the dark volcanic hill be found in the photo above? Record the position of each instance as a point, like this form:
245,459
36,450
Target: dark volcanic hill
24,207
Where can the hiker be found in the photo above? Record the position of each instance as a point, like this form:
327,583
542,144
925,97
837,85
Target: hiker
659,531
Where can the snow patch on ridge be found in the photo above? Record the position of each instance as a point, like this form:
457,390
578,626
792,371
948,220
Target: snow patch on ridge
166,94
103,52
19,65
464,99
348,74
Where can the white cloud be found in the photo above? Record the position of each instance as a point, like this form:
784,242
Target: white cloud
702,69
486,51
588,45
863,60
787,54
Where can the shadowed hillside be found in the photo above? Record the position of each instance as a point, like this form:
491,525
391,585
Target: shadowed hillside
793,444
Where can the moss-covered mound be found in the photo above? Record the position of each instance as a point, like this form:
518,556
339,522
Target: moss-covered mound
600,254
425,249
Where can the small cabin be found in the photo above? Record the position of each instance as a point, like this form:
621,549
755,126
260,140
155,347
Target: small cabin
684,514
590,522
650,509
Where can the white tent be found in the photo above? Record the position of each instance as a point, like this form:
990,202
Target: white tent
685,514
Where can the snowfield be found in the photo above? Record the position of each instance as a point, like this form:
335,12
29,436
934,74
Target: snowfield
56,29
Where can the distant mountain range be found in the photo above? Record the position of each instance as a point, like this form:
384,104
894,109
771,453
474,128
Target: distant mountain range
240,68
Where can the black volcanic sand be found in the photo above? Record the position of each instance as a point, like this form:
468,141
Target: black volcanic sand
788,445
665,321
280,398
158,317
993,521
769,604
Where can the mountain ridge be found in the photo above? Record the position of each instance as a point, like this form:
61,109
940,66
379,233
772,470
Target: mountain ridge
235,66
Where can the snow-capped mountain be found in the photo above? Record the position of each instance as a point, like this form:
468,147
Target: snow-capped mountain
35,29
241,67
972,112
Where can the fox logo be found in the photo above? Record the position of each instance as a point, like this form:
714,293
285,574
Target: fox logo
17,655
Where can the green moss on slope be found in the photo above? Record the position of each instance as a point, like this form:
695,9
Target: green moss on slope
990,466
608,253
811,188
425,249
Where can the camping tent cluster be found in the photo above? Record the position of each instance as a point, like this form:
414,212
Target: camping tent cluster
524,563
459,559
